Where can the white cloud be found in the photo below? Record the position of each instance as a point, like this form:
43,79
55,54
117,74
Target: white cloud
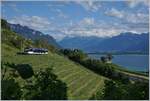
89,5
128,17
115,13
88,26
99,29
34,22
137,18
102,29
87,21
99,32
59,36
134,3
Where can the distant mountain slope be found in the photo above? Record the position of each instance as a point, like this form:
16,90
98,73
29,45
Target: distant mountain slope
32,34
20,42
80,42
122,43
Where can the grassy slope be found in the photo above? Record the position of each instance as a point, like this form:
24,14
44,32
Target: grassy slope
81,82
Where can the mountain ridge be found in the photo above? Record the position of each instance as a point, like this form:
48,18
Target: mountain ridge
32,34
123,42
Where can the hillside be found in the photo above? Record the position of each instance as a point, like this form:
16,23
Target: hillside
78,79
124,42
32,34
81,82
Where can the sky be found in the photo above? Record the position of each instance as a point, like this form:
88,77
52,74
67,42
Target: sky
62,19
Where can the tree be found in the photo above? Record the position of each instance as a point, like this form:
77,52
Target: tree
103,59
138,91
116,90
10,89
77,55
113,91
45,86
4,24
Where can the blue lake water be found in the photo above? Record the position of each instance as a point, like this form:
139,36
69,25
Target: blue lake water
131,62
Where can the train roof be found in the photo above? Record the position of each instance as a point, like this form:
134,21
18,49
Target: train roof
37,49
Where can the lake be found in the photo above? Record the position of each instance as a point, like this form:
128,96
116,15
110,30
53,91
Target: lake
131,62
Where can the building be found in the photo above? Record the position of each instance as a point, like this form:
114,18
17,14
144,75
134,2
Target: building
107,59
36,51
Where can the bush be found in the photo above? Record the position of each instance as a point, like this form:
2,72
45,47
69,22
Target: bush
41,85
115,90
75,55
10,89
99,67
138,91
24,70
46,86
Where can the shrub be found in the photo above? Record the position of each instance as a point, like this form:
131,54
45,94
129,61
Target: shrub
115,90
45,86
10,89
25,70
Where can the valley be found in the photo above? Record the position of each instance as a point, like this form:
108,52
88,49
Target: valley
75,50
67,71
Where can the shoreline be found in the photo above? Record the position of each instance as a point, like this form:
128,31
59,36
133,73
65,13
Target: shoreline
124,67
117,53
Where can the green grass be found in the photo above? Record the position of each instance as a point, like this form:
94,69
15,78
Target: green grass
81,82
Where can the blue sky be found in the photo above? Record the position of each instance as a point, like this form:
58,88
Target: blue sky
79,18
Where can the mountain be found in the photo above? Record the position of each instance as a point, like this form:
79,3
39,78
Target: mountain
32,34
82,43
142,43
124,42
20,42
